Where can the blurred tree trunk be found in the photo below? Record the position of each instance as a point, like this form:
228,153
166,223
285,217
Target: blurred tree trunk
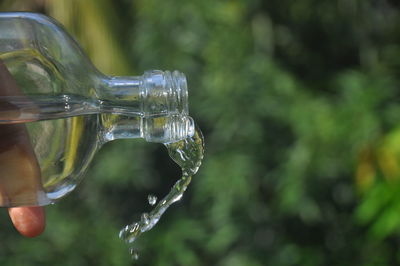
92,22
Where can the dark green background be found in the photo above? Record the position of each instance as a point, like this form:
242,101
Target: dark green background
299,104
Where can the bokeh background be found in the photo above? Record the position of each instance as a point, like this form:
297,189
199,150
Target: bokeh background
299,102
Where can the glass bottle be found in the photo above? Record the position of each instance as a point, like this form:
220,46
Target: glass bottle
56,109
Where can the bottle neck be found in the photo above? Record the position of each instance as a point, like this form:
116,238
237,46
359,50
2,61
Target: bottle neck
156,93
121,95
121,87
153,106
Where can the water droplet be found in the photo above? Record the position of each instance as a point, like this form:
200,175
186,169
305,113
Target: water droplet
123,231
134,253
152,199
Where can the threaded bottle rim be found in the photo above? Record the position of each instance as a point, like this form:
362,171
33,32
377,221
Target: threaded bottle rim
168,129
165,92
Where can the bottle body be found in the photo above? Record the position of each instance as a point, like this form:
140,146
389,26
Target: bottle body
64,109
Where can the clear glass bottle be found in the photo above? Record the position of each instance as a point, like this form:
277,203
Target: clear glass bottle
56,109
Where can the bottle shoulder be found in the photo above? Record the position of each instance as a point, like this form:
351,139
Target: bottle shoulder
38,32
31,18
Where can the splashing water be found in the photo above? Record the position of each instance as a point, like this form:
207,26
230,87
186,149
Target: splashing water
188,154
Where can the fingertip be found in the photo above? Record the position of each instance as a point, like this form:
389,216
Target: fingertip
29,221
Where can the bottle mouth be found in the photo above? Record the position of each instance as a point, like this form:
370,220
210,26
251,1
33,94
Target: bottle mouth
164,93
165,107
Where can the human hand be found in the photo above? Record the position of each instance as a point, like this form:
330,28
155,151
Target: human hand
19,170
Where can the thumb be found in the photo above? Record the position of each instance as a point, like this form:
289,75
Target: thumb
29,221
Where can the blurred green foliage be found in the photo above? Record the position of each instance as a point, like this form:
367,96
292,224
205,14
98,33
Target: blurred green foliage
299,103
